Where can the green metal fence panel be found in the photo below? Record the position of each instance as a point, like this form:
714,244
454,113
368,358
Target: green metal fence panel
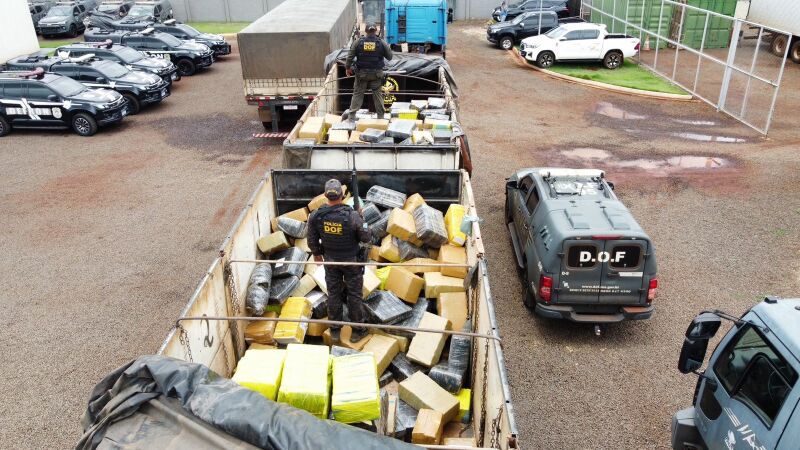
718,34
640,12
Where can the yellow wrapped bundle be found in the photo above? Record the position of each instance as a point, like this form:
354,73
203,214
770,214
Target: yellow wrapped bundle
356,395
260,370
293,332
305,378
452,222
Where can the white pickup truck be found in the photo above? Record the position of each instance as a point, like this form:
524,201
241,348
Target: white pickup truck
579,42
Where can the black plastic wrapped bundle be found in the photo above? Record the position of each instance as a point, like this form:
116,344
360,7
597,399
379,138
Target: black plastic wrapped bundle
372,135
401,128
405,419
385,379
436,102
258,291
402,367
282,287
447,377
460,350
378,228
292,227
342,351
430,226
283,269
262,274
408,250
319,304
417,311
349,125
385,307
371,212
386,197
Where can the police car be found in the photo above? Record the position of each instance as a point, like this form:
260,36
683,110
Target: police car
46,100
188,56
139,88
583,256
126,56
215,42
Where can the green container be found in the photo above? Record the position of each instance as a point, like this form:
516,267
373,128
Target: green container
718,34
640,12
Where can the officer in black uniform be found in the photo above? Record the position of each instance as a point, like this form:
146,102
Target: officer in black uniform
334,232
369,52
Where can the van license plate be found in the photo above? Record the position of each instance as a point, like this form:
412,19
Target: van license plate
289,106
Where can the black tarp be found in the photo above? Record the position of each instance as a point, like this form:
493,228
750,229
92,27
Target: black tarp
161,402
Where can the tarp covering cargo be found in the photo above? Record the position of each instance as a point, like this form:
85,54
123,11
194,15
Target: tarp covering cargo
292,39
161,402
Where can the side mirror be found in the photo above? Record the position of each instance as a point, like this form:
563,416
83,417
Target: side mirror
562,38
53,97
704,326
100,80
695,344
164,47
610,184
511,184
521,24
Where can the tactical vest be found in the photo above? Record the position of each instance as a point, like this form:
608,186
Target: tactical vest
335,230
369,54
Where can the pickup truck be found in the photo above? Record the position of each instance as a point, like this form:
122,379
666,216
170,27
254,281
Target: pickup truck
579,42
506,34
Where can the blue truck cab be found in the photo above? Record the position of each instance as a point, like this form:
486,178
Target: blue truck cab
422,24
748,397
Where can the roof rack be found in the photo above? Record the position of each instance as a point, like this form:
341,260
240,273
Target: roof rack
170,22
148,30
82,59
572,173
37,73
108,43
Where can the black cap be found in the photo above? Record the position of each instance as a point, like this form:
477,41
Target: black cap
372,27
333,189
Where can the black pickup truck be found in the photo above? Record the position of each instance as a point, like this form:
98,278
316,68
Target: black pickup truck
506,34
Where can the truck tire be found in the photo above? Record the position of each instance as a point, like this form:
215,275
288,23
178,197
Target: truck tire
133,104
84,125
529,300
545,59
794,51
506,42
613,60
186,67
5,127
778,44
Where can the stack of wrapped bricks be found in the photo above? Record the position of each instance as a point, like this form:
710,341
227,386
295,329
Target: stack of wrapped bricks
418,122
411,385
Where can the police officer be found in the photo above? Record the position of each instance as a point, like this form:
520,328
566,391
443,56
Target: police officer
334,232
369,52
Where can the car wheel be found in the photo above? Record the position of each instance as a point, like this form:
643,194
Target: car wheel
506,43
186,67
84,124
613,60
778,45
267,125
545,59
794,52
73,30
5,127
133,104
529,300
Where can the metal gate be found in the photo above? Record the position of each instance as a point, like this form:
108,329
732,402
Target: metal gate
725,61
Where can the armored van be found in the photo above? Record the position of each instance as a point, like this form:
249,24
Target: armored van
583,256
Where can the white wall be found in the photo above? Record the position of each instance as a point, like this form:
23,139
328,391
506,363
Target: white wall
17,36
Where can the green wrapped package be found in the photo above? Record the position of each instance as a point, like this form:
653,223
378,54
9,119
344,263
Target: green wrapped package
305,384
356,395
260,370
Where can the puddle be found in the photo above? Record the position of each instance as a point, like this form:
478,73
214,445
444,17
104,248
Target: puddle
612,111
700,123
709,138
609,110
586,153
663,166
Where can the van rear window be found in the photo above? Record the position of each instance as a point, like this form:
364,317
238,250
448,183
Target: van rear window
625,256
582,256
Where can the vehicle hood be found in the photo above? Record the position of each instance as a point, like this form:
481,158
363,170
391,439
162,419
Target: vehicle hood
208,37
97,96
194,46
536,40
53,19
137,77
500,26
152,63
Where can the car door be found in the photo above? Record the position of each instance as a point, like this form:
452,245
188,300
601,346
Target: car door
530,25
754,388
591,45
44,105
89,77
519,213
622,277
569,46
16,109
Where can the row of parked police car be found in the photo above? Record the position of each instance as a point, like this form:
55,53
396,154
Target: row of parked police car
124,65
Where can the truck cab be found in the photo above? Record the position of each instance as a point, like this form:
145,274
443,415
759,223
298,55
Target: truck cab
422,24
748,397
582,254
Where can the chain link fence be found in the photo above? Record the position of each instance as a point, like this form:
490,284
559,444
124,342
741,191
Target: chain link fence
732,64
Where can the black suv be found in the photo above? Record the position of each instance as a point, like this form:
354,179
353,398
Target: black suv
116,8
123,55
506,34
188,56
215,42
47,100
514,9
139,88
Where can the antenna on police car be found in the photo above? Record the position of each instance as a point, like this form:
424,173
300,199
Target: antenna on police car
36,73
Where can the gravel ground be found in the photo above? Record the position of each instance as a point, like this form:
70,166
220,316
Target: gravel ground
106,237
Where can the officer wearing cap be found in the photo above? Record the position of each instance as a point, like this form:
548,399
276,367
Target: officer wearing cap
368,52
334,232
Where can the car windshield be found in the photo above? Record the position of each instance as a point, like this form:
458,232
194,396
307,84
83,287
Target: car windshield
129,55
111,69
191,32
108,8
67,87
60,11
556,33
141,10
170,40
517,20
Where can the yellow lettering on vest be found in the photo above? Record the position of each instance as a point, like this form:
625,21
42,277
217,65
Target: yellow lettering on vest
332,228
369,46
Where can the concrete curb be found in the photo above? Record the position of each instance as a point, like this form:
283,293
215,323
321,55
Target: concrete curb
604,86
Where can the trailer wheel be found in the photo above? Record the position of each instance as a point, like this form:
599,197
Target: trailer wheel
778,45
794,52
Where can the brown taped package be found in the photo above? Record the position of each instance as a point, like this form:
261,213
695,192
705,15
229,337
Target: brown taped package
379,124
302,244
453,307
426,348
401,224
331,119
370,283
428,428
300,214
338,137
402,341
436,284
344,339
305,286
453,255
375,254
383,348
260,331
312,129
317,329
404,284
388,250
420,392
421,269
355,138
272,243
413,202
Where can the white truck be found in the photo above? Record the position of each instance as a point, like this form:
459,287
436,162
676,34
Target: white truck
781,14
579,42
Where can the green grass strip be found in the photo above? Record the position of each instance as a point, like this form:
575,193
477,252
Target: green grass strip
630,75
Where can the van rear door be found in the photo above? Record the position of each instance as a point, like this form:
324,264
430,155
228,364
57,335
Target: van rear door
579,280
622,280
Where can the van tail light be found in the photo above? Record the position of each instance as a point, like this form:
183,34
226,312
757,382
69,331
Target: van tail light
637,47
545,288
651,290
